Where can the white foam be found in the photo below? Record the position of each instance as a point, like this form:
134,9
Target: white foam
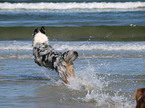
15,47
96,90
80,46
105,100
105,47
72,5
86,77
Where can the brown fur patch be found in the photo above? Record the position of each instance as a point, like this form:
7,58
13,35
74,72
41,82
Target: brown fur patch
70,70
140,97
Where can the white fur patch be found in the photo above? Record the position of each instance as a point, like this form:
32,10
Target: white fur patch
40,38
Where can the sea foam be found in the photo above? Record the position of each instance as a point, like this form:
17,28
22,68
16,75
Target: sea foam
96,89
80,46
72,5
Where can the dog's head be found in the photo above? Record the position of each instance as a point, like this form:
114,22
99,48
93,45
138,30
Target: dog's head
140,98
39,36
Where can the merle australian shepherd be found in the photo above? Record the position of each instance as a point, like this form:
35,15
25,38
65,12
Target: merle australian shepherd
45,55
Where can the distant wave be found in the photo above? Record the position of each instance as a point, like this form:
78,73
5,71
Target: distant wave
105,47
23,49
15,47
73,6
86,46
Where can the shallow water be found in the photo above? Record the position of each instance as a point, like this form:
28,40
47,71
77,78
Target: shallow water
107,75
107,72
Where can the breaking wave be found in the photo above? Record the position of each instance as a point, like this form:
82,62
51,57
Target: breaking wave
73,6
84,45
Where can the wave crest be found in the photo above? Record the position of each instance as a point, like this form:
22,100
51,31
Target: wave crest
72,6
80,46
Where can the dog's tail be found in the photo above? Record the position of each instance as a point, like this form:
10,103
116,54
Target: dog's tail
70,56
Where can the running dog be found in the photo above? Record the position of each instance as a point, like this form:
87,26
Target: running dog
45,55
140,98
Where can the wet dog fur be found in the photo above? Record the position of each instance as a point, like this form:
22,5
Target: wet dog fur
45,55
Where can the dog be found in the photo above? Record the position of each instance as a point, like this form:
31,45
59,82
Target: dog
45,55
140,98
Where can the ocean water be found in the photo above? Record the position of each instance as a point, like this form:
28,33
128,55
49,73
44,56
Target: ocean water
72,14
108,35
107,75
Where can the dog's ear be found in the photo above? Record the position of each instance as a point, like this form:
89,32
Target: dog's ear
35,31
42,30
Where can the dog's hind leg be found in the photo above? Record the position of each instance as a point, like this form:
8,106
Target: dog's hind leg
70,70
69,57
62,71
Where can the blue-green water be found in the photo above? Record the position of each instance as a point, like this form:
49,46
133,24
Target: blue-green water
108,35
74,20
113,70
72,14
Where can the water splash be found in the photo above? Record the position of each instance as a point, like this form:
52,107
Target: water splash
105,100
96,87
